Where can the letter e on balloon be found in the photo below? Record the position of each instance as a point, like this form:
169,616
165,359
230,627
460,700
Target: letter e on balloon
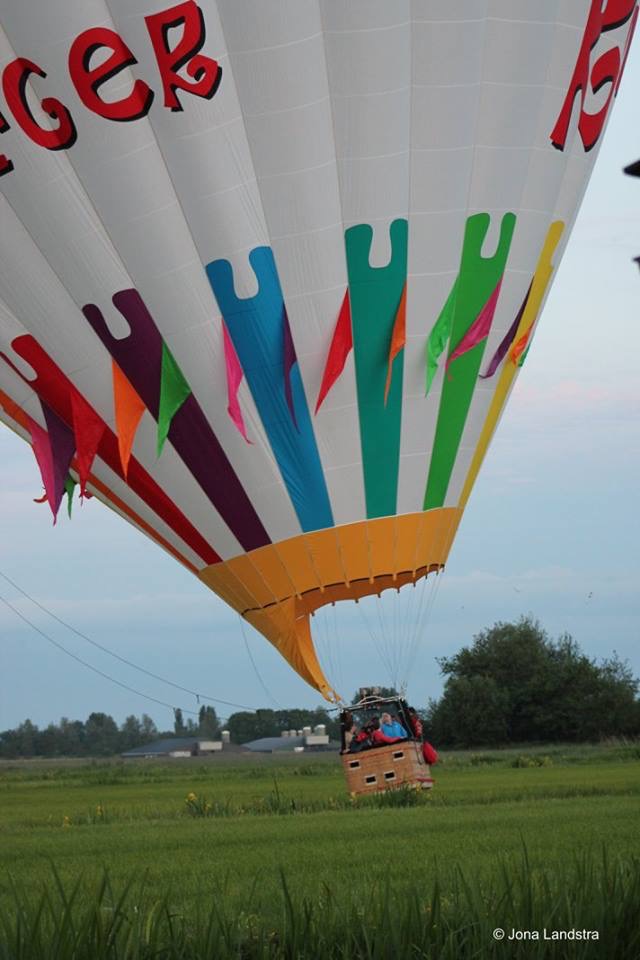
205,73
87,79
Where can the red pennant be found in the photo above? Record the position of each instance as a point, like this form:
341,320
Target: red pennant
88,429
341,346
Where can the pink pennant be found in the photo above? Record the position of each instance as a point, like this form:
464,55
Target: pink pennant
479,329
234,379
42,452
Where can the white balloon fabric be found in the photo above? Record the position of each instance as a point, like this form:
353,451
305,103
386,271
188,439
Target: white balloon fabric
268,270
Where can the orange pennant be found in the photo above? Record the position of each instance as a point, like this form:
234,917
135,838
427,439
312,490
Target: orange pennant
129,409
519,346
398,338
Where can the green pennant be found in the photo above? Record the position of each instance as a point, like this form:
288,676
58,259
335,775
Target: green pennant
174,390
439,336
69,486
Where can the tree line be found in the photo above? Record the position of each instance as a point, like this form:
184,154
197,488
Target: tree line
245,726
100,736
512,684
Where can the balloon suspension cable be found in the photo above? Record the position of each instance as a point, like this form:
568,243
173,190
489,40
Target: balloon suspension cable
327,644
402,618
101,673
253,664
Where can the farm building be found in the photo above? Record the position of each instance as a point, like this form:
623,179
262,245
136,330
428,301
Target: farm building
294,740
176,747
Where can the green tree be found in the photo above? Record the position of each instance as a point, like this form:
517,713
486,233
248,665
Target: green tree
72,736
178,723
522,686
49,742
245,726
9,747
131,733
473,711
208,726
27,734
148,729
101,733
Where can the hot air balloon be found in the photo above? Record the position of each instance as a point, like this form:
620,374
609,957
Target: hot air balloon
269,271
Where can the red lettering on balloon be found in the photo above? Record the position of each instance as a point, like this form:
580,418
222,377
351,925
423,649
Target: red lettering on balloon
592,77
204,71
14,84
88,80
6,166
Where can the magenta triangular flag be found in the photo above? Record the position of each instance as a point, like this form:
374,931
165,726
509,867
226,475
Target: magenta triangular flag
234,379
61,447
480,327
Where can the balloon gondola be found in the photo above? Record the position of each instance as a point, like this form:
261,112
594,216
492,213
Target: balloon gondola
269,272
376,758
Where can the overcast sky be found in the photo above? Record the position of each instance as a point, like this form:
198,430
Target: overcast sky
551,528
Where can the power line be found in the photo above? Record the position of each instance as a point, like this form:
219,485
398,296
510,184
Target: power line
116,656
89,666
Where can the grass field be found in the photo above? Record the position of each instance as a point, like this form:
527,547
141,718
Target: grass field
266,847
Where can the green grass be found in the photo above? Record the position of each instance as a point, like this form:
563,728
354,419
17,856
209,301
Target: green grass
280,840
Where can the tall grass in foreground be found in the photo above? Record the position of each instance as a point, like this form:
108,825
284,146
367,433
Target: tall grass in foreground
451,917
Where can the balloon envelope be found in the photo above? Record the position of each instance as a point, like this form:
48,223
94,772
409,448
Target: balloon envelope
268,272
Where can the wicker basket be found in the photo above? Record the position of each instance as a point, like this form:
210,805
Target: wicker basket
383,768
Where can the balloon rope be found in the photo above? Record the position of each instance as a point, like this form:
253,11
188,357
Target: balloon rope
253,664
374,638
386,651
